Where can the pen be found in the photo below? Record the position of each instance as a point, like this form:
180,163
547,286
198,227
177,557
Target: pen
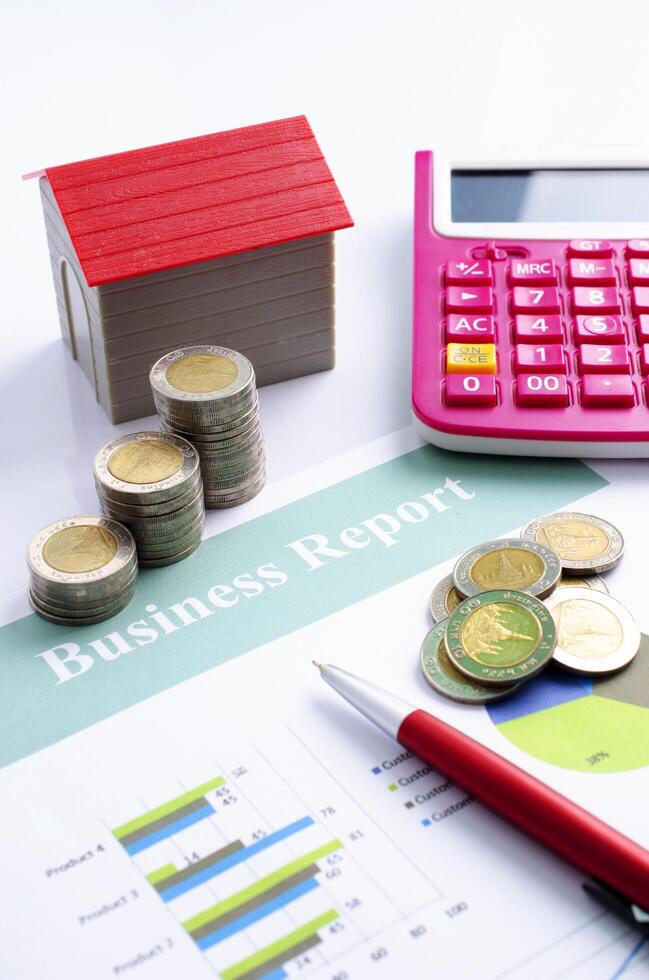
619,866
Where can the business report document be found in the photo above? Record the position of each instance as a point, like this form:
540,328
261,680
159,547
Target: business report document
183,797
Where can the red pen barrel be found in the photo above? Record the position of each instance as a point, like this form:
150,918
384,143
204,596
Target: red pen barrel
562,826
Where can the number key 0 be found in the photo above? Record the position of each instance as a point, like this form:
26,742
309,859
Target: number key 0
471,390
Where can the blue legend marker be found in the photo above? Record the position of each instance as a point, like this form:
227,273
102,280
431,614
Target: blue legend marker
376,770
426,822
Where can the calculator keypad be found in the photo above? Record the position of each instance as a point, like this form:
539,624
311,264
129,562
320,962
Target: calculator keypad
594,329
478,273
548,345
591,272
531,329
590,247
544,359
535,299
587,299
607,391
478,327
640,299
469,299
525,273
598,359
471,390
542,390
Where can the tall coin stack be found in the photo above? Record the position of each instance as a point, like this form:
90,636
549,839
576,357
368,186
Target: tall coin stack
151,482
82,570
208,395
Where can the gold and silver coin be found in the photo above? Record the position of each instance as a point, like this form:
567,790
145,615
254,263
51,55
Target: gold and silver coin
444,599
596,634
585,544
444,678
82,570
500,637
208,395
509,563
582,582
151,481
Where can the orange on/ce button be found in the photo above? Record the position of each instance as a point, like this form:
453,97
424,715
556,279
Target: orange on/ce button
471,359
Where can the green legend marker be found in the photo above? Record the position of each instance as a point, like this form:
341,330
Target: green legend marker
393,787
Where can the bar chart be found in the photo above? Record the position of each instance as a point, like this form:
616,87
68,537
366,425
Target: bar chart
269,866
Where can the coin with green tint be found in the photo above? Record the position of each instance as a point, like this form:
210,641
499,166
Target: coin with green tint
500,637
445,679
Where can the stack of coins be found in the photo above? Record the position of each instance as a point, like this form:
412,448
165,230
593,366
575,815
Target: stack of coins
151,482
513,606
82,570
208,396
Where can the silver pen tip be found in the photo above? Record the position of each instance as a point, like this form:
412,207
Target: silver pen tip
318,665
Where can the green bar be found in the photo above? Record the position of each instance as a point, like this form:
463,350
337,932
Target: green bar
160,873
165,808
260,886
268,952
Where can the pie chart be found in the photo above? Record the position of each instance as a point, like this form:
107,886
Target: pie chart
581,723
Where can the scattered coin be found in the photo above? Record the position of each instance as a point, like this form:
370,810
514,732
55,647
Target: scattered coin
596,634
582,582
444,678
500,637
82,570
509,563
584,544
208,395
444,599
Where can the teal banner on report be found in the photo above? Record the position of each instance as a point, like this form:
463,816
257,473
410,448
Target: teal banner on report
266,578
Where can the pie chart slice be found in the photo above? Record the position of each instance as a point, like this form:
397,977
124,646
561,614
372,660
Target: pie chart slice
581,723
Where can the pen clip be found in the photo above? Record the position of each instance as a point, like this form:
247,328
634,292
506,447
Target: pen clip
613,901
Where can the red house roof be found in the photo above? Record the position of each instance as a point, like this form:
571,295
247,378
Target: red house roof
131,214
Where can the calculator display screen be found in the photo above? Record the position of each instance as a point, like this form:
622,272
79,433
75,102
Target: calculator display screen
550,195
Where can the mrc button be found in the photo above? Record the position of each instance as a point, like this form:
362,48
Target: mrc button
471,359
523,272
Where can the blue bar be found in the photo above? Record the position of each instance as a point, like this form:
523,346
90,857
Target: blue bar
259,913
277,974
233,859
171,828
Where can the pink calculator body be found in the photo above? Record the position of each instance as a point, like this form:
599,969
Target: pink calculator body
531,304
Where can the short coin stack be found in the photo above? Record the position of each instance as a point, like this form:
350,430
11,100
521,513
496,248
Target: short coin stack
151,482
208,395
515,605
82,570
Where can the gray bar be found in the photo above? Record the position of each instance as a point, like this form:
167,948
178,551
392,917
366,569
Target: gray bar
161,822
192,869
254,903
288,954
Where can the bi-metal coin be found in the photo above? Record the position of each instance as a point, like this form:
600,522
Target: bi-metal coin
582,582
500,637
144,467
444,599
509,563
596,634
445,679
584,544
81,552
195,377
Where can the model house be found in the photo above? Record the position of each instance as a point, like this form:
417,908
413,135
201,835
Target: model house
223,239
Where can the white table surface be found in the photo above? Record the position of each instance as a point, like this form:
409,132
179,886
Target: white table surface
378,79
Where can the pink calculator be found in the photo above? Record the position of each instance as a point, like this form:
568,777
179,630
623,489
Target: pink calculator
531,303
